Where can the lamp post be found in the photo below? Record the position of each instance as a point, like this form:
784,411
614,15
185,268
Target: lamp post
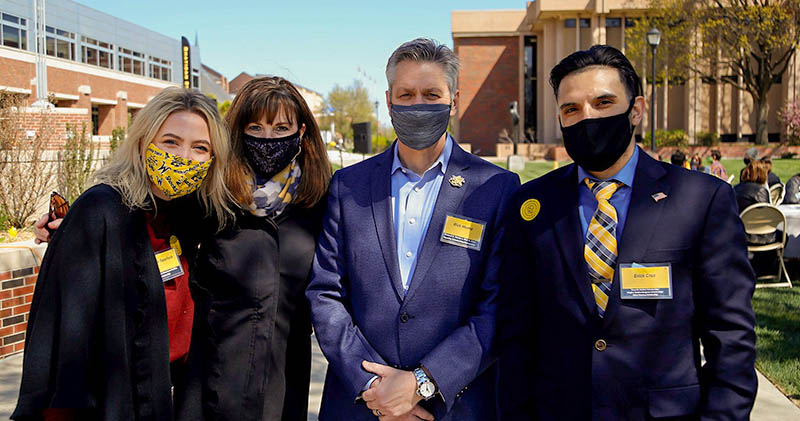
653,38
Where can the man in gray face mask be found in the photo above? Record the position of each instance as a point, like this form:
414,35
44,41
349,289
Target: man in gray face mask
405,275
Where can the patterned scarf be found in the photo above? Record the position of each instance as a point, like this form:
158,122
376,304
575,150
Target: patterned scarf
271,196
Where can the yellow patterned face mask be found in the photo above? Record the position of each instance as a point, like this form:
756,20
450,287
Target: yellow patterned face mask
173,175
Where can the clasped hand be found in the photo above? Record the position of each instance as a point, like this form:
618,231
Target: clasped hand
393,394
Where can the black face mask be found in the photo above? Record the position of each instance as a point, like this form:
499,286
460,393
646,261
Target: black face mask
597,143
268,156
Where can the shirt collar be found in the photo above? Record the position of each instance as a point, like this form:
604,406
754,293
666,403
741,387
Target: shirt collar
444,158
624,176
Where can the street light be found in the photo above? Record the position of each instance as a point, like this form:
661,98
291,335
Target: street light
653,38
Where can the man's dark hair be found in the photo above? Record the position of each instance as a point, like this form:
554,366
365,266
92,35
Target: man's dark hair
678,158
598,55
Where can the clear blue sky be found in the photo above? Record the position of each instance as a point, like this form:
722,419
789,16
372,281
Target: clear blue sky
315,43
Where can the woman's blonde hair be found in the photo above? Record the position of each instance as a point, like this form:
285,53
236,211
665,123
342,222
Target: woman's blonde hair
126,170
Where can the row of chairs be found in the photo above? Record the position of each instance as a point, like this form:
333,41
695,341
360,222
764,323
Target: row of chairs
764,219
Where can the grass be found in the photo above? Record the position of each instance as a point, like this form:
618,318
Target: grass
784,168
778,332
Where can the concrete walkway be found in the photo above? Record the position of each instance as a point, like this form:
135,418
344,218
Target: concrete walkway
771,404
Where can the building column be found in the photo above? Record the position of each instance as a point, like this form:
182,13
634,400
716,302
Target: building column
549,58
85,102
121,110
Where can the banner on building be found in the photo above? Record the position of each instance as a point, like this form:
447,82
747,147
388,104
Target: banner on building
186,58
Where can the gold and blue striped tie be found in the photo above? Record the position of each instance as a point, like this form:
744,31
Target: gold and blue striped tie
600,250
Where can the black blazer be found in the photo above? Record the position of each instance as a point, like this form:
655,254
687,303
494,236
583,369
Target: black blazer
252,340
648,363
750,193
97,334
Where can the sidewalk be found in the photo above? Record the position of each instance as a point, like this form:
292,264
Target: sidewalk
770,405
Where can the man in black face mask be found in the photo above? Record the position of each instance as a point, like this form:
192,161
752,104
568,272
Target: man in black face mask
404,284
616,268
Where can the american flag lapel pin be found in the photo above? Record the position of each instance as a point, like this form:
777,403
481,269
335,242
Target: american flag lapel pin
658,196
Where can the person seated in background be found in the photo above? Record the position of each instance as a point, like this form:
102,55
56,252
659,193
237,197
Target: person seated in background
696,162
752,189
749,156
678,158
792,196
772,178
717,169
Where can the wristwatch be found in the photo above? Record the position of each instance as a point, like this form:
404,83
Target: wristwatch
425,387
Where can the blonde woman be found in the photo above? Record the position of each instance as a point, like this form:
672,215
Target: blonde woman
112,316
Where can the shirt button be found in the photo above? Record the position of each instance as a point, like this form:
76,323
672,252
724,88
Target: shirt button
408,254
411,221
416,188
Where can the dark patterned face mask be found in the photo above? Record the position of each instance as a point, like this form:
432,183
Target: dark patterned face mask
419,126
268,156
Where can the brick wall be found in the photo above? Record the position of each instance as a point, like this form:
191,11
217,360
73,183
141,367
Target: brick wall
56,121
488,81
16,294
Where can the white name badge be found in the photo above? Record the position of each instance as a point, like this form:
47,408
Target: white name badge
169,264
463,232
645,281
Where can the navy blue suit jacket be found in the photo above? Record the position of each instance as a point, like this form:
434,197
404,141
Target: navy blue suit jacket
445,322
553,367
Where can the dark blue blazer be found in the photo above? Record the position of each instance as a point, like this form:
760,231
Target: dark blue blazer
446,322
554,369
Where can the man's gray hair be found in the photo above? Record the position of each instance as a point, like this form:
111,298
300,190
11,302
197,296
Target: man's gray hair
421,50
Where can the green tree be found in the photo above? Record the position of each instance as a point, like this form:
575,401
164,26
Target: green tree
349,105
747,44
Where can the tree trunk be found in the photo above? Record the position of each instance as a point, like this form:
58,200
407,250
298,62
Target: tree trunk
761,123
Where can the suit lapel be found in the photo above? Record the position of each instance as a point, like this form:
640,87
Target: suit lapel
447,201
643,218
380,186
568,232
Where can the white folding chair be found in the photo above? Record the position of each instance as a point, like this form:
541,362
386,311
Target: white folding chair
763,219
776,193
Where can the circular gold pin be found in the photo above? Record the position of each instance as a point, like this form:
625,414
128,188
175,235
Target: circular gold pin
174,243
530,209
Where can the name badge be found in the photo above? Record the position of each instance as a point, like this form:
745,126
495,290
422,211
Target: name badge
463,232
645,281
169,264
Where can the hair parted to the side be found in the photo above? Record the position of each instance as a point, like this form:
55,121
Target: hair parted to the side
598,55
267,97
126,171
425,50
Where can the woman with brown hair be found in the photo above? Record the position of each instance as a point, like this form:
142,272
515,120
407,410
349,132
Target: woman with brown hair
255,349
752,187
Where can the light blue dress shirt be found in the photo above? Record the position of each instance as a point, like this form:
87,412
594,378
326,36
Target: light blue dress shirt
413,199
621,200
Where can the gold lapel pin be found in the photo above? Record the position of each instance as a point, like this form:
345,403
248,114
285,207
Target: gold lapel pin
457,181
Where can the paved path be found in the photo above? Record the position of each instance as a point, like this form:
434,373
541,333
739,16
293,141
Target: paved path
771,404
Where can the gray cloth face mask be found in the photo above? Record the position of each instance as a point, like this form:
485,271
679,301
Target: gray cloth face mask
419,126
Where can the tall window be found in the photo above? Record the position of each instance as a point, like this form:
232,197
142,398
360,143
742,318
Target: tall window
130,61
614,32
195,78
160,69
97,52
530,88
586,33
60,43
14,31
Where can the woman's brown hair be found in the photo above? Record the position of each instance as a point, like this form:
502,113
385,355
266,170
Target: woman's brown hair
266,97
755,172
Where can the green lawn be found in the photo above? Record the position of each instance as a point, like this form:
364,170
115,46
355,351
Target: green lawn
784,168
778,332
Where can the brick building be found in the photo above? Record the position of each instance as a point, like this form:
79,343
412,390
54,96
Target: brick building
506,55
314,99
103,65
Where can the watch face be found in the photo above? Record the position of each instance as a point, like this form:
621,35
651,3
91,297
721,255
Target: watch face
426,389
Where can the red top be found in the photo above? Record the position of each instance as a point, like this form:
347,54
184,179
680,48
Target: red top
180,307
